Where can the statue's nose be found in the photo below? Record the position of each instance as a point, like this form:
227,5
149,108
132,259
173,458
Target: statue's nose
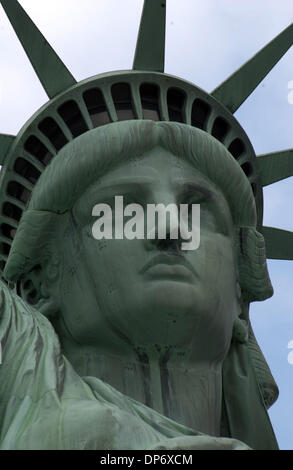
164,233
167,244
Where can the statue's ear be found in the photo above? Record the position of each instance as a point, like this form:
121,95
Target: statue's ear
254,278
36,288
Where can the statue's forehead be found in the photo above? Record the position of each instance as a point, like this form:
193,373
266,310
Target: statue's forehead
155,164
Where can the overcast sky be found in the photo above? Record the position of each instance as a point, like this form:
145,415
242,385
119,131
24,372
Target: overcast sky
206,41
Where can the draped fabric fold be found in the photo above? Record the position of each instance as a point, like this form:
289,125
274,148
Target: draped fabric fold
246,416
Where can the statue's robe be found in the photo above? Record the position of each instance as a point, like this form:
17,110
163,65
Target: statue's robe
45,404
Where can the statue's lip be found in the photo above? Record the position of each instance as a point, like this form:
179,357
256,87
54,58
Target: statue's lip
171,259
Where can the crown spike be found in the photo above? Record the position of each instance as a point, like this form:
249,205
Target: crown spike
279,243
51,71
5,143
236,89
150,46
275,166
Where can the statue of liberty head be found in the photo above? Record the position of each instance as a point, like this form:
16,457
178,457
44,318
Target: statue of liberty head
153,138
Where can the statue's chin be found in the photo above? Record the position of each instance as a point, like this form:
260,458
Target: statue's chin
165,314
174,314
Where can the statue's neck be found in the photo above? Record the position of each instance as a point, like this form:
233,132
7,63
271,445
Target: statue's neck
190,394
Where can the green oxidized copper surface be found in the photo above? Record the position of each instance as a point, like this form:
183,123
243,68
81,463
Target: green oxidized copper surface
162,341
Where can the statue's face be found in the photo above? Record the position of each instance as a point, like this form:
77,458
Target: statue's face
120,293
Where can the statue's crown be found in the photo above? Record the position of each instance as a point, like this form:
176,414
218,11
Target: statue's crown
145,92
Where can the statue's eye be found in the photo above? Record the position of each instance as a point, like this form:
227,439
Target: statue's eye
194,194
196,198
206,211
